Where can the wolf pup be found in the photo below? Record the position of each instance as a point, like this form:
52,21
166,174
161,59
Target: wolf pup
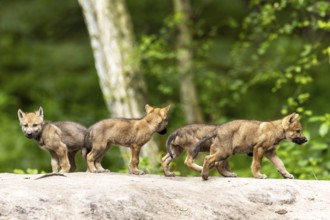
185,138
132,133
260,138
61,139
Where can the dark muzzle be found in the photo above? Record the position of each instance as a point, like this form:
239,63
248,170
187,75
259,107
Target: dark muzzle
29,134
163,131
299,140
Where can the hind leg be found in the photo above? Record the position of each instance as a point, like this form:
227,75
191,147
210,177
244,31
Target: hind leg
93,155
189,162
98,160
219,154
71,156
167,159
224,169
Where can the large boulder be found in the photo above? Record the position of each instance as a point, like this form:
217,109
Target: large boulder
123,196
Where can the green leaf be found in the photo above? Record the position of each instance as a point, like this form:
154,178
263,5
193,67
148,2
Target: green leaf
302,163
319,146
327,165
32,171
316,118
324,128
19,171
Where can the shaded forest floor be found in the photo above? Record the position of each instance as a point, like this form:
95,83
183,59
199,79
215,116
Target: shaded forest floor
123,196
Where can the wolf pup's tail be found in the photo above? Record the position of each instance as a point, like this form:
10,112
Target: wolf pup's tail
198,145
87,145
168,144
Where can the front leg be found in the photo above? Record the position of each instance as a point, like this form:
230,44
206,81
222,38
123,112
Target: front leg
272,156
54,161
258,153
134,161
62,154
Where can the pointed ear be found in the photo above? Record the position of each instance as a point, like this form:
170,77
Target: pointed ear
148,108
293,117
40,112
20,114
289,119
165,110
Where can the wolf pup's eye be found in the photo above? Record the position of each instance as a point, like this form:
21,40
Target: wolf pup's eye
298,131
34,125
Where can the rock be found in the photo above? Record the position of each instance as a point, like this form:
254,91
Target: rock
124,196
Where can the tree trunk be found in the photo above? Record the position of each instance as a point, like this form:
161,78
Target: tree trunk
117,64
185,63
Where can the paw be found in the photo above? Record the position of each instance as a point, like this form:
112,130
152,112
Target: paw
137,172
205,176
98,171
103,171
230,175
64,171
169,174
288,176
205,173
91,171
261,176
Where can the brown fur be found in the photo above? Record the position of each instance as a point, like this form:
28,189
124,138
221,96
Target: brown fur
260,138
132,133
62,139
185,138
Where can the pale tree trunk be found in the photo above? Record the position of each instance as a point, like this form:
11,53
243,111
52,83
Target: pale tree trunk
117,64
188,92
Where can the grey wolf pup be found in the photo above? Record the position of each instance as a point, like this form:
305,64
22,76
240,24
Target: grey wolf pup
62,139
132,133
185,138
259,138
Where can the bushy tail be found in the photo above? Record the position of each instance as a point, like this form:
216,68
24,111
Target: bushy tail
198,145
168,144
87,145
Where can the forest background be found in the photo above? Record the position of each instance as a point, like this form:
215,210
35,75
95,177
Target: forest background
250,60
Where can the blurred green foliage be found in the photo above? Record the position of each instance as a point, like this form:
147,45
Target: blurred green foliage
46,61
253,60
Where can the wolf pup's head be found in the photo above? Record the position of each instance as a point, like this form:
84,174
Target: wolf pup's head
292,128
31,122
158,117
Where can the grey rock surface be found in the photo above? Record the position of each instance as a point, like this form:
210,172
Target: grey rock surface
124,196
